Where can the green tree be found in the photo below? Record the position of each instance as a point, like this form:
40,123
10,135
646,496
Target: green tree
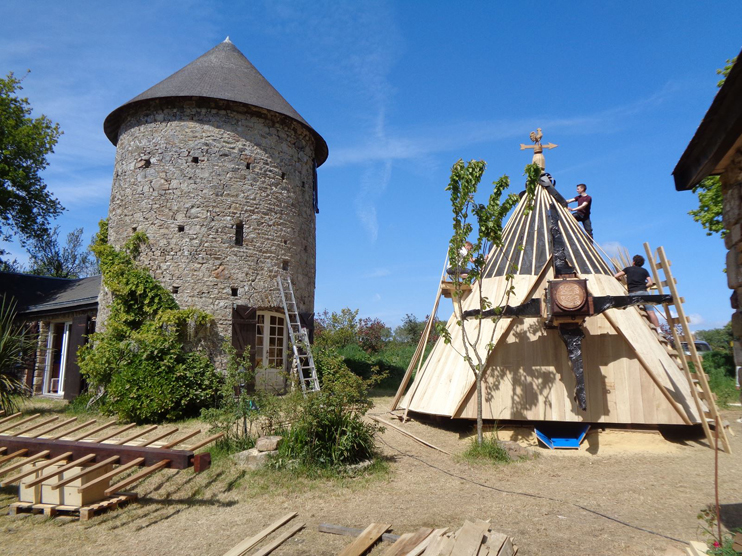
25,142
709,211
477,344
49,258
720,339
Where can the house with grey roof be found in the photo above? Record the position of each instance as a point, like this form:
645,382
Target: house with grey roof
63,313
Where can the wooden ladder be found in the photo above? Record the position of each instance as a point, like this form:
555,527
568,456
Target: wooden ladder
698,381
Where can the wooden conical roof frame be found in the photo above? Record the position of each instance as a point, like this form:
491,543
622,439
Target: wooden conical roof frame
629,376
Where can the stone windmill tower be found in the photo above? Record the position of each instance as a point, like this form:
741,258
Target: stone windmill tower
220,172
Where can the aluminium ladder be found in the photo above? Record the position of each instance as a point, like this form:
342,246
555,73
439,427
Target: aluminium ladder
698,381
299,338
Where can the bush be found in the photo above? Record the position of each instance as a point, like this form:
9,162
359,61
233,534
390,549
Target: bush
15,341
328,431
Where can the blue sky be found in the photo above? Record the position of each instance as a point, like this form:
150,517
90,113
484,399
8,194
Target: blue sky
400,91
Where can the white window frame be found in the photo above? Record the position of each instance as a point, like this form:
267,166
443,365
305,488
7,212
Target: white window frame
62,362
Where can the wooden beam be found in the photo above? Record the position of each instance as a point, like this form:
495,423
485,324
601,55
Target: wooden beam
19,476
34,427
181,459
92,432
366,539
115,433
105,478
53,428
57,472
420,440
249,543
9,418
135,435
146,472
267,549
159,437
74,429
84,472
15,454
179,440
21,422
40,455
206,441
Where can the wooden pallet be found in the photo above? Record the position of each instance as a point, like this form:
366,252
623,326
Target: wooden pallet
84,513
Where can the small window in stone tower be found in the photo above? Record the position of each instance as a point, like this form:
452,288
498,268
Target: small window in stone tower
181,228
283,175
194,159
247,165
285,266
239,233
175,289
235,292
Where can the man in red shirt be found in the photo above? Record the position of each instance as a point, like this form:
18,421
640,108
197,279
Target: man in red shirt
582,211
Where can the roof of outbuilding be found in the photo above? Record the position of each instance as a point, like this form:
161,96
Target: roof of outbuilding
223,73
718,136
43,294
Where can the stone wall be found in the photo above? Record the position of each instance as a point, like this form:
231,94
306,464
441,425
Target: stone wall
189,175
731,187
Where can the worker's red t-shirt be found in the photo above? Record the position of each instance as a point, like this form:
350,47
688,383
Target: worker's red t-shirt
584,199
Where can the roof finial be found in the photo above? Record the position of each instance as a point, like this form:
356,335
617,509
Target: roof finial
227,40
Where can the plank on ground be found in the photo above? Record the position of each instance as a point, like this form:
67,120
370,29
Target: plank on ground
405,545
423,546
351,532
470,539
366,539
249,543
280,540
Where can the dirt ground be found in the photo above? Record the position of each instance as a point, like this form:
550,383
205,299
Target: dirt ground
621,493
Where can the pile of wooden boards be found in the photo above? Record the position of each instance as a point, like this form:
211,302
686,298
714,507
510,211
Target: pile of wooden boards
474,538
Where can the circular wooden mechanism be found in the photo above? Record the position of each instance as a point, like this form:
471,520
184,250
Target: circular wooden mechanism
569,295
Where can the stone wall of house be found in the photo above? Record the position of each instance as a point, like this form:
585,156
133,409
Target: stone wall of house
190,175
731,186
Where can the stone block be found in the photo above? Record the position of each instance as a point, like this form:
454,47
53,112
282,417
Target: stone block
252,458
734,273
737,325
268,443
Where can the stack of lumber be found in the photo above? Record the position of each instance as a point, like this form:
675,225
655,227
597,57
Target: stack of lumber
244,547
474,538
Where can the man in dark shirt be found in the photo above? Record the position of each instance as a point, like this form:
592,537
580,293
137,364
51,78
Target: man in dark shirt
582,211
637,282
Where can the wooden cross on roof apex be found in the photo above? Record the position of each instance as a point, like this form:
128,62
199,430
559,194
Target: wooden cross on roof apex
538,148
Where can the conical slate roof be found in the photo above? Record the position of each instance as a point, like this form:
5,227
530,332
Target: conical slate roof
222,73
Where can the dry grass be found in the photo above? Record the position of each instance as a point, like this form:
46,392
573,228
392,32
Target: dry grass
639,479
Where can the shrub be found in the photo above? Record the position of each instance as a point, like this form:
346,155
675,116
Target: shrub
15,341
328,430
